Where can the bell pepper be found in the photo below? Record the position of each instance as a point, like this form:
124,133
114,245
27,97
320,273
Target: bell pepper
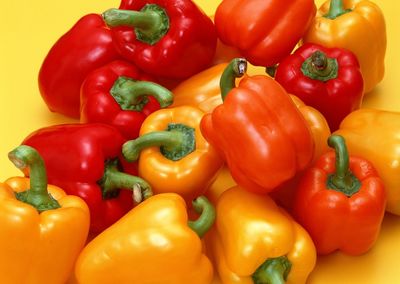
341,201
328,79
284,194
117,94
42,229
260,245
84,160
166,38
260,115
86,46
201,90
154,243
374,135
172,154
264,32
362,31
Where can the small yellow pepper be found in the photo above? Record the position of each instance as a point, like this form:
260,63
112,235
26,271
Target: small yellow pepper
173,154
356,25
153,243
42,229
254,241
375,135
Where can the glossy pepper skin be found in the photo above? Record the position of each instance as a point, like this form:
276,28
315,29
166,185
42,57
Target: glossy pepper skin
166,38
374,135
341,194
172,153
86,46
201,90
260,245
42,228
284,194
153,243
362,31
120,95
264,32
328,79
261,116
83,159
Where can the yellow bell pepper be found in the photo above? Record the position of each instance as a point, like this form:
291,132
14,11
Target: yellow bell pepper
42,229
153,243
318,125
201,90
374,135
356,25
255,241
173,154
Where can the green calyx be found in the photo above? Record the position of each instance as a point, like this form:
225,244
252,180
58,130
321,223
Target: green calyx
132,94
336,9
342,180
27,157
175,143
235,69
114,180
320,67
207,213
151,23
273,271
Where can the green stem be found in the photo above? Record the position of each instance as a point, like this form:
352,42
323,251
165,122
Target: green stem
235,69
342,180
336,9
131,94
320,67
27,157
273,271
113,180
176,142
151,23
207,216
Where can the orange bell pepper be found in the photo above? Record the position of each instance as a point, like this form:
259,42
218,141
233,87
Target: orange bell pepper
341,201
356,25
42,229
258,114
201,90
254,241
374,135
173,154
153,243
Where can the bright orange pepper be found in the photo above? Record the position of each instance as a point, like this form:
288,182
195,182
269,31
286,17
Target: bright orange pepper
153,243
42,229
173,154
254,241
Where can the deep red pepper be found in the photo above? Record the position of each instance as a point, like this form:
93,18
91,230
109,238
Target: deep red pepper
167,38
83,159
115,94
328,79
85,47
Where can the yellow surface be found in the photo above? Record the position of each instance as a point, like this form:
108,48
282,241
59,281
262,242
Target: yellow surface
30,27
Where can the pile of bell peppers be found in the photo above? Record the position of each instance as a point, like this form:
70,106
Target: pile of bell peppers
182,167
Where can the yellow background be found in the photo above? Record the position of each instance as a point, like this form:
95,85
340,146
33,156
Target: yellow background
30,27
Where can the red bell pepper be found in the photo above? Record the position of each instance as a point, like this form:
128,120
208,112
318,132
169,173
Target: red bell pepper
260,116
264,31
341,201
83,159
85,47
328,79
114,94
166,38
